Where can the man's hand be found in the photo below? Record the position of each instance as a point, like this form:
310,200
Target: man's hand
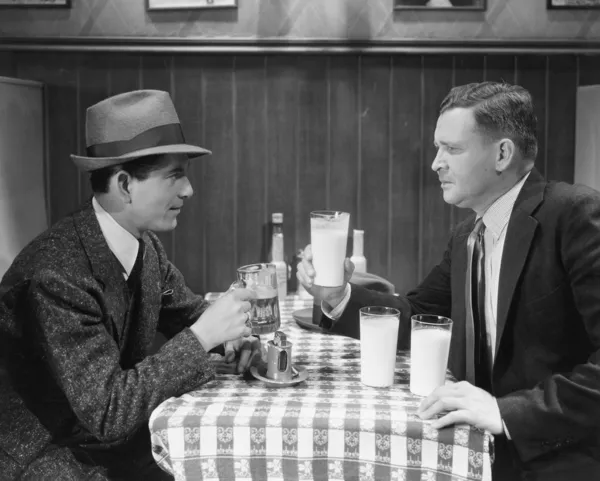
466,403
306,276
226,319
247,350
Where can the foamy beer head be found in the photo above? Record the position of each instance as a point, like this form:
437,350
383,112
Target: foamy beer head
262,279
329,238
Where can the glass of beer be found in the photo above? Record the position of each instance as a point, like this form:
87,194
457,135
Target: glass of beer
261,279
429,349
378,343
328,238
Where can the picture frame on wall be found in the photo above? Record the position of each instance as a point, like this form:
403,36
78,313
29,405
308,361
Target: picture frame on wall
573,4
190,4
35,3
477,5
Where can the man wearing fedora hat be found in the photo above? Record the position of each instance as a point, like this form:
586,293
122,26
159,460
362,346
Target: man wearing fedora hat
86,298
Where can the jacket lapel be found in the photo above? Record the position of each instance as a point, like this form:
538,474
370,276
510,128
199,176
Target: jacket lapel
519,236
105,267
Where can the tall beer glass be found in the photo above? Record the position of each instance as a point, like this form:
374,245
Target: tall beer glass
329,237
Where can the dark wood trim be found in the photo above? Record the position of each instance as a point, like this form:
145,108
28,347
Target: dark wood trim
298,46
450,9
188,7
41,4
549,6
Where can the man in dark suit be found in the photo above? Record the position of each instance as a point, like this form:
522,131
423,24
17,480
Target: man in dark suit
85,299
538,318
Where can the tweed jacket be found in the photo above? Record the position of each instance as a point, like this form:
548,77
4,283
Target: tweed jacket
546,374
26,449
77,359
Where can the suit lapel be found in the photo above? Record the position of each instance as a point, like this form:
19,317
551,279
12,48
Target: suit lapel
105,267
519,236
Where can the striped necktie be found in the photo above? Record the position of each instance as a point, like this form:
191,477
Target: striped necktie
478,364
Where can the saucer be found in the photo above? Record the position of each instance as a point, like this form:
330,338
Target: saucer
260,373
303,318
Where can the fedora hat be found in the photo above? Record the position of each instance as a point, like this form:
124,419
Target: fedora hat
132,125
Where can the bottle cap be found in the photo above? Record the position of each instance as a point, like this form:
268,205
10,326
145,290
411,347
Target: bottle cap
277,218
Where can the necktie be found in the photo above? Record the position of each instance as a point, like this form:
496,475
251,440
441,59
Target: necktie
478,365
136,270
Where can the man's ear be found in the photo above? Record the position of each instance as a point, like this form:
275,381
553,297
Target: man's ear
505,155
123,180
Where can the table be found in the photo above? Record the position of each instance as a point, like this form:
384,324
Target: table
330,427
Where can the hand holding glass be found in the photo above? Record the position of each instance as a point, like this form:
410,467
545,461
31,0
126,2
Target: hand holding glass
329,236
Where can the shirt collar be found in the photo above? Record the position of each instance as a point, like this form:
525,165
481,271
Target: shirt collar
120,241
496,217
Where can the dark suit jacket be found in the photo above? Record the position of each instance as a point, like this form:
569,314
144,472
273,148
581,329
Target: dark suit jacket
77,359
546,375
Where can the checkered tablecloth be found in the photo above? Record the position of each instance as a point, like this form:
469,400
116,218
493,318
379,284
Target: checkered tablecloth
330,427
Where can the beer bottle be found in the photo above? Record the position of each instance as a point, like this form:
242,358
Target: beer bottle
278,255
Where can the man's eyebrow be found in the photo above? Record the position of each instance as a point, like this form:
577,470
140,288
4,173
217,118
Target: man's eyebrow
177,170
446,143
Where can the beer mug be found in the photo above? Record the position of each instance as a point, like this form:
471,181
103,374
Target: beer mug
264,311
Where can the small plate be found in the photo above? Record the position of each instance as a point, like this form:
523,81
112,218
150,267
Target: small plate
303,318
260,373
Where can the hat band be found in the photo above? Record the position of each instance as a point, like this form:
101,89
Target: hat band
162,135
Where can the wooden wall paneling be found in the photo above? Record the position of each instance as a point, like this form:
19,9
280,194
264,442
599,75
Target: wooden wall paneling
561,115
406,102
344,151
250,128
93,82
500,68
59,73
7,64
125,73
313,162
531,73
221,172
157,73
189,242
434,212
374,205
467,69
589,69
282,145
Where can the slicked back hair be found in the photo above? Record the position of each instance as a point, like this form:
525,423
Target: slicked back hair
500,110
139,169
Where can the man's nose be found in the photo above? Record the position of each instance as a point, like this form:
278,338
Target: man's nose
438,162
187,189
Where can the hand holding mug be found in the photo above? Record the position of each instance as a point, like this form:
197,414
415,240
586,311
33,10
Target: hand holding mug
306,276
226,319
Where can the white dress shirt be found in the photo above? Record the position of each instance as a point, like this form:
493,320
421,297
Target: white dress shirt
120,241
496,220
